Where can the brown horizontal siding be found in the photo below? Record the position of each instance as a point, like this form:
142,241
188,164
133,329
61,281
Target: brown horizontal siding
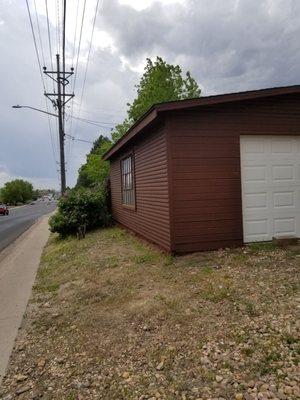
150,219
204,245
205,164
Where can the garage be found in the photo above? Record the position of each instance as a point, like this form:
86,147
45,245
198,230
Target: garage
213,172
270,168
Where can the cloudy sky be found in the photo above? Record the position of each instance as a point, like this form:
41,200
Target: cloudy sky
227,45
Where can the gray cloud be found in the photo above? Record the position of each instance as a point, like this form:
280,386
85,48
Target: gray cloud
228,46
25,145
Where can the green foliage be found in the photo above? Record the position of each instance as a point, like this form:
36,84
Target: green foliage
17,191
94,172
81,207
161,82
120,130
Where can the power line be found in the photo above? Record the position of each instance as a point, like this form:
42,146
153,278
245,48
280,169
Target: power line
77,60
57,27
41,74
102,124
39,32
64,54
35,45
75,33
73,57
86,69
77,139
79,45
49,38
89,53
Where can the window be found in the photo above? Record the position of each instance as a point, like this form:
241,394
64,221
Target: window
128,196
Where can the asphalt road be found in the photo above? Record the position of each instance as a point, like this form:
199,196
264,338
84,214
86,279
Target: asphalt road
20,219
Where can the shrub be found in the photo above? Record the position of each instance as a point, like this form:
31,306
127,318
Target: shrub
80,209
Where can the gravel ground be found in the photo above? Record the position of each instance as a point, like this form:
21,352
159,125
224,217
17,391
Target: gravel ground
112,318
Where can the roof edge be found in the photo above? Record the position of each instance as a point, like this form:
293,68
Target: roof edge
153,112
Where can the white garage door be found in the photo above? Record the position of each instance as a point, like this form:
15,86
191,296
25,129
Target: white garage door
270,167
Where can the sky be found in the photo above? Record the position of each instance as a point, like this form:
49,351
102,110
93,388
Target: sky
228,46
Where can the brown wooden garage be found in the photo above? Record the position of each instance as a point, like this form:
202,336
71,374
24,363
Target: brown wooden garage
176,175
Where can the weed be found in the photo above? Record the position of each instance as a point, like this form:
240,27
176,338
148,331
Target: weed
290,339
71,396
143,258
47,287
168,260
217,293
251,309
262,246
267,364
248,351
207,270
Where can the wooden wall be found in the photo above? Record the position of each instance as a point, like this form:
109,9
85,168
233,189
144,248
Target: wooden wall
150,219
204,158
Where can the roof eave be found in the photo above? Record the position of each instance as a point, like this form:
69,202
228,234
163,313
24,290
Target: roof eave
153,112
138,126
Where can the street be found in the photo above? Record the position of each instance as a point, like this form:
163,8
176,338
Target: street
20,219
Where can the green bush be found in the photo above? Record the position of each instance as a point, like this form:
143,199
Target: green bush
78,209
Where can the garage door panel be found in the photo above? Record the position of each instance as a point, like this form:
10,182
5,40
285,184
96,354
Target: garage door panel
255,200
258,227
284,199
284,226
254,147
270,167
283,173
255,173
281,146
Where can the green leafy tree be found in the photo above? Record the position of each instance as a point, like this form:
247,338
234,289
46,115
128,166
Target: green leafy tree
160,82
95,171
17,191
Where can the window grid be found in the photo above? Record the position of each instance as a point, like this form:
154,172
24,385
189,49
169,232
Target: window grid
128,197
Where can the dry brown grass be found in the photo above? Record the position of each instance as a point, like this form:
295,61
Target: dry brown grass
113,318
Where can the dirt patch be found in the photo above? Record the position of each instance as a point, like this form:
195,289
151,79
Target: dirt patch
112,318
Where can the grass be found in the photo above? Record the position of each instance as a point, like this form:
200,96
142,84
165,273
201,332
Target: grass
262,246
116,304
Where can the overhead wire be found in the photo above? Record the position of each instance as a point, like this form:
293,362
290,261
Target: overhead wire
75,33
86,69
39,32
76,65
64,58
57,27
40,67
78,139
79,45
35,46
89,53
54,142
101,124
49,40
73,57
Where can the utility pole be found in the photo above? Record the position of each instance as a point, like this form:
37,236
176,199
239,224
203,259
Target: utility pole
59,100
61,130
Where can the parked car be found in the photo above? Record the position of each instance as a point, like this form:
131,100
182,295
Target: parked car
4,209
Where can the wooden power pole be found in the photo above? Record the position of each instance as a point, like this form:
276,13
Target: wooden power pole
59,100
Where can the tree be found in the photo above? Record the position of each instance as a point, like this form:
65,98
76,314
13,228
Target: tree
17,191
95,171
160,82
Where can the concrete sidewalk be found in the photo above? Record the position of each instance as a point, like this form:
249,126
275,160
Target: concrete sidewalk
18,266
